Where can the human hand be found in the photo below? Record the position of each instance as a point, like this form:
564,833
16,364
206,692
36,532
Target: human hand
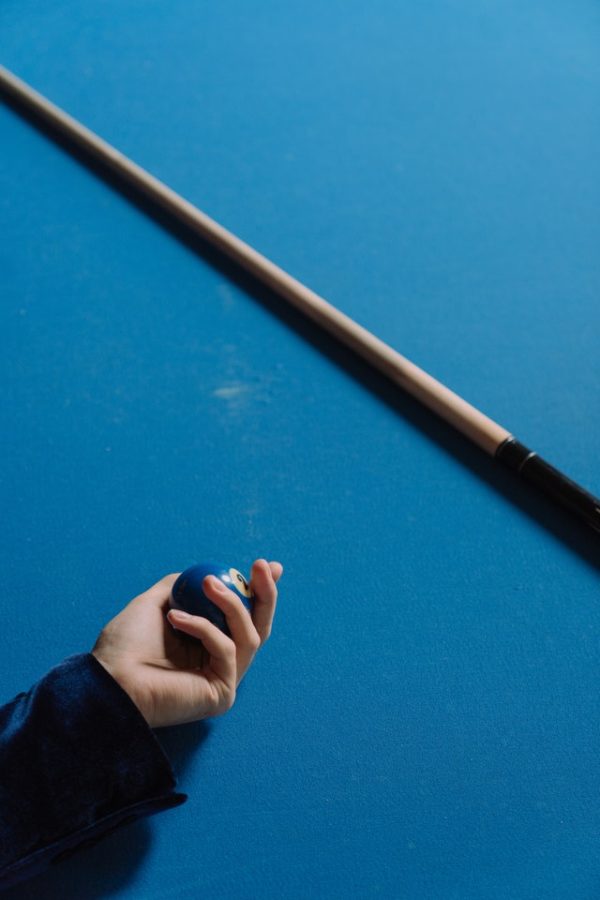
172,679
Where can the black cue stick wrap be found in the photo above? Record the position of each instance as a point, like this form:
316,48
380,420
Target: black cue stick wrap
538,472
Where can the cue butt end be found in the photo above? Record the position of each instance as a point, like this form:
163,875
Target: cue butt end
538,472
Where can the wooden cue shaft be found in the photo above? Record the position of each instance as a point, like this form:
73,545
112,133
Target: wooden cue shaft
479,428
466,418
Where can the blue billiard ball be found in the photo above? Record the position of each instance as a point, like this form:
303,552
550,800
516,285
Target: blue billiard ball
187,593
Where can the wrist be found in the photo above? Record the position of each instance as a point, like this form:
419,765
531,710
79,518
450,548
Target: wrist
125,682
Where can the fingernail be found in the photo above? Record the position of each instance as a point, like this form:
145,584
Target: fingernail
217,584
179,615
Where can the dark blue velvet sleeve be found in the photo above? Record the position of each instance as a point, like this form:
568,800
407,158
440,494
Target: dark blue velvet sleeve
77,759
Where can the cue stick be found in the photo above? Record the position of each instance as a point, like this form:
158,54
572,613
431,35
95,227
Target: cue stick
491,437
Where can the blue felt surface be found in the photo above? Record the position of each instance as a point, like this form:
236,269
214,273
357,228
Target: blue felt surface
424,722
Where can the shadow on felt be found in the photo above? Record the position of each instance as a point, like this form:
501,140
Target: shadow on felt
580,538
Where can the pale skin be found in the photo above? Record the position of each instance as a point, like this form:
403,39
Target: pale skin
172,679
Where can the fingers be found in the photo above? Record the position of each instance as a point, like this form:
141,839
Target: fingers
241,626
248,631
263,583
276,570
220,648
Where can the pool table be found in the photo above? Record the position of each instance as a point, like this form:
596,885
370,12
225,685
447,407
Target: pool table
424,722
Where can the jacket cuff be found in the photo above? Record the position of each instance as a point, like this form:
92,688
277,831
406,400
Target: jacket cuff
85,761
